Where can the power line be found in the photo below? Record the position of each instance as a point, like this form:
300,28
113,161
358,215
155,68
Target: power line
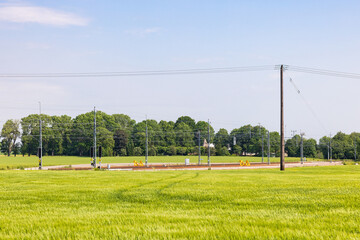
308,105
323,72
318,71
141,73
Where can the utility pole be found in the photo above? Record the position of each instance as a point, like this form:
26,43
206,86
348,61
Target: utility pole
302,148
282,144
40,143
146,143
262,145
262,148
199,141
330,150
355,149
268,155
328,145
209,142
94,163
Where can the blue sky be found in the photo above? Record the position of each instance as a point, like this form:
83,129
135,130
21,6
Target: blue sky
95,36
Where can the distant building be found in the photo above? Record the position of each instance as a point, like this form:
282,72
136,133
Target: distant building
206,145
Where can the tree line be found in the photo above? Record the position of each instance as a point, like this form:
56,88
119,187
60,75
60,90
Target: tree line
119,135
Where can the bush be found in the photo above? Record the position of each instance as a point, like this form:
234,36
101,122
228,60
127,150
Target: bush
319,155
204,151
189,151
152,151
223,152
123,152
160,151
171,151
138,151
181,150
236,149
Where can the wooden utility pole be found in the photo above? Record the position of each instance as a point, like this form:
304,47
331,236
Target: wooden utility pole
282,144
302,147
146,143
199,141
209,164
40,142
94,163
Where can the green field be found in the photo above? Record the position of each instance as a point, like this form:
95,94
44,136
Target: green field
300,203
24,162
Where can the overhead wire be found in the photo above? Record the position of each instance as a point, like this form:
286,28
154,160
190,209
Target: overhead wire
307,104
189,71
323,72
141,73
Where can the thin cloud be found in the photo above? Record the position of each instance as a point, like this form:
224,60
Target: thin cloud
40,15
143,32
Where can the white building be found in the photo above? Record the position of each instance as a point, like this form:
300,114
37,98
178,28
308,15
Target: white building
206,144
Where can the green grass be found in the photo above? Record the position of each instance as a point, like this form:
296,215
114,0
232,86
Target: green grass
300,203
25,162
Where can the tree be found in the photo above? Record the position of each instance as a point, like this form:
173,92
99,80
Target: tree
4,147
124,122
344,145
152,151
275,143
124,126
138,151
169,136
257,138
222,151
243,137
222,138
30,133
16,149
292,146
83,130
356,142
309,147
105,139
121,141
203,127
57,130
82,134
236,149
171,151
154,134
10,133
187,120
324,146
184,135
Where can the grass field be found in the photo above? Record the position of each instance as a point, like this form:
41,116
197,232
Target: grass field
300,203
24,162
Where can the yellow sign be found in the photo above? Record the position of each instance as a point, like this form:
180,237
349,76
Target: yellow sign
247,163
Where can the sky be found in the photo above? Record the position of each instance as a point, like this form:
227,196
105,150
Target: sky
75,36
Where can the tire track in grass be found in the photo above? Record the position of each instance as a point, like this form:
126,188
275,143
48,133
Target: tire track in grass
166,196
128,194
144,193
184,196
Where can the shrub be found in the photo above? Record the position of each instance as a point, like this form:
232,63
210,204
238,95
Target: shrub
138,151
